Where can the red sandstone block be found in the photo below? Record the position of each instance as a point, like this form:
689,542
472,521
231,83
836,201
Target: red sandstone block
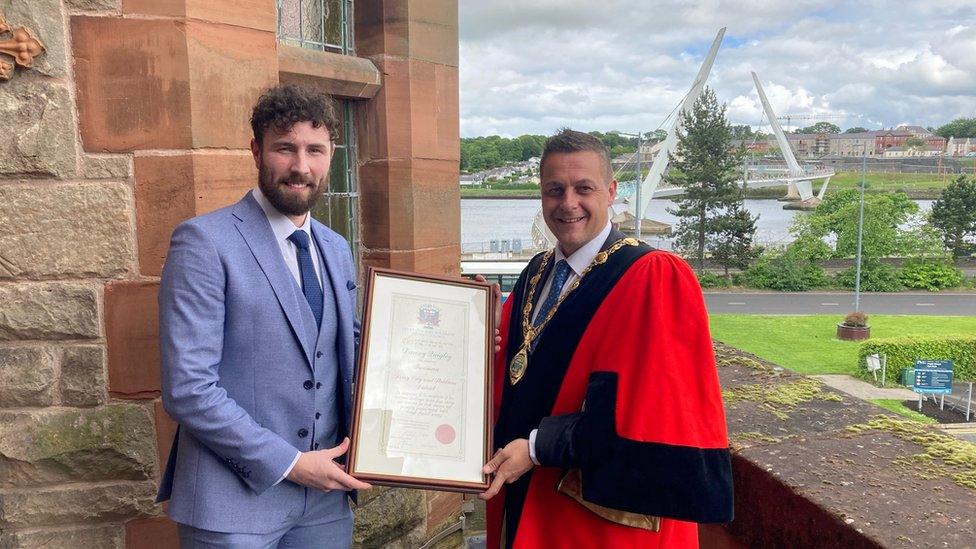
381,27
254,14
168,83
132,338
433,31
443,508
133,80
173,188
151,533
445,261
398,198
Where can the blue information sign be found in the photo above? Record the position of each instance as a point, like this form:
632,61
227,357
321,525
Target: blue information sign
933,377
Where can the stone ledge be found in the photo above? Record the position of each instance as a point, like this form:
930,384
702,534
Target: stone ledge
340,75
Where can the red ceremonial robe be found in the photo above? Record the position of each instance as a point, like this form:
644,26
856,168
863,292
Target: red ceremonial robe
633,341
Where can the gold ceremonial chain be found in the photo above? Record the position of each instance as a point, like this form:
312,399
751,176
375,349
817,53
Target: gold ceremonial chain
520,362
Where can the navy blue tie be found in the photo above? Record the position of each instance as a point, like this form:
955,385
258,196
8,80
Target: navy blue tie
310,282
558,280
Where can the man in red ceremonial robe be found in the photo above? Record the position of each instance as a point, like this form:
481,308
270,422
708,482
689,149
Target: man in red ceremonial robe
610,430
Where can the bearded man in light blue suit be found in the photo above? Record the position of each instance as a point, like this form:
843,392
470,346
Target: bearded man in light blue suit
258,334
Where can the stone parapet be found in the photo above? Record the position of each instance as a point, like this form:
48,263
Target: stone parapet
65,230
816,468
386,515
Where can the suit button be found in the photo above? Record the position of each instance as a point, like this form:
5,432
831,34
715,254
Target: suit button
318,354
308,384
318,385
302,433
317,415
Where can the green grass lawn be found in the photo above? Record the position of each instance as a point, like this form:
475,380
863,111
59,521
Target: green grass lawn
808,344
897,407
890,182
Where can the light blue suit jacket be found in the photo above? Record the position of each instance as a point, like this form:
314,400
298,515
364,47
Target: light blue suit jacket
238,344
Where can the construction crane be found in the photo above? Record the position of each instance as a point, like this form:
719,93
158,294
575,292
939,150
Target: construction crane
818,117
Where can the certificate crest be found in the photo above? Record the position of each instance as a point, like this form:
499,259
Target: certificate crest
429,316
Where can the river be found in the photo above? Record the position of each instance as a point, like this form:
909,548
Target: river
483,220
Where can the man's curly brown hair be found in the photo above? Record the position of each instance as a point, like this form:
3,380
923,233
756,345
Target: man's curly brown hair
283,106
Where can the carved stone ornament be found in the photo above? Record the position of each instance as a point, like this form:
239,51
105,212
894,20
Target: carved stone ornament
23,46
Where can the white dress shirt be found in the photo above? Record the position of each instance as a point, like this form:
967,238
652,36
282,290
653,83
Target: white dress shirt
282,227
578,262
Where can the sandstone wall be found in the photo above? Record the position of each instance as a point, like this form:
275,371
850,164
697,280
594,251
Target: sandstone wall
74,463
133,119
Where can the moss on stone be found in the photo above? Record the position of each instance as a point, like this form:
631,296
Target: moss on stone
779,399
116,426
753,436
942,455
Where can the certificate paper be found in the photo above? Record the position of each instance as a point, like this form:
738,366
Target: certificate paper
421,414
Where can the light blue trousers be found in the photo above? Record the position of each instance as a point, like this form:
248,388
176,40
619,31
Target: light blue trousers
326,525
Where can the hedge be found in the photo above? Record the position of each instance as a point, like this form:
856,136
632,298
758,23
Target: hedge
904,351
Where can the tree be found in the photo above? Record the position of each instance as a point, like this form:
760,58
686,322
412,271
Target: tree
656,135
914,142
884,215
958,128
742,131
954,216
706,166
856,129
820,127
731,244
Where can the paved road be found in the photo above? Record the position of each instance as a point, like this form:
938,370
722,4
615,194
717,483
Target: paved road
808,303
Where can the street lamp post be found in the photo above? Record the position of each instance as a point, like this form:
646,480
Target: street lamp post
860,235
640,177
637,197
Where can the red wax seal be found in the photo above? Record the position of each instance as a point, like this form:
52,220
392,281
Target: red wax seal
445,434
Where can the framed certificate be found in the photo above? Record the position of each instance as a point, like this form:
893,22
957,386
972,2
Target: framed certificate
423,403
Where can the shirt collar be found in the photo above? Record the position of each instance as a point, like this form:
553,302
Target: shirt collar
581,258
280,224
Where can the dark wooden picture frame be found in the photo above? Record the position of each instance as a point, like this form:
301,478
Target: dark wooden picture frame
485,369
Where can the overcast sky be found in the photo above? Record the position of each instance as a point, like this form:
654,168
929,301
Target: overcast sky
533,66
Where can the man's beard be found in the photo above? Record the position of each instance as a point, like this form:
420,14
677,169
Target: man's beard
286,203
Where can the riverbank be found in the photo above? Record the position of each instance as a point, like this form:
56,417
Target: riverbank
916,186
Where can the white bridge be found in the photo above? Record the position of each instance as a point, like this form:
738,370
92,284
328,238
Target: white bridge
772,176
798,180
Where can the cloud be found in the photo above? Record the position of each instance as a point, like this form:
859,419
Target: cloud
532,67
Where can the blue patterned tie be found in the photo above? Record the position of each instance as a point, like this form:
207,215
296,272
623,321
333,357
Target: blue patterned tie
310,282
558,280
